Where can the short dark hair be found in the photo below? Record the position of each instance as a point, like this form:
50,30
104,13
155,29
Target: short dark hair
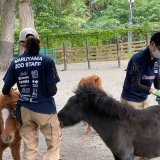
33,45
156,38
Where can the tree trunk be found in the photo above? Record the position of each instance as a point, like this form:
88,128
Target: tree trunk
1,6
7,33
26,16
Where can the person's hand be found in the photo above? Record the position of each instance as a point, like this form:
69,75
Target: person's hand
158,99
155,92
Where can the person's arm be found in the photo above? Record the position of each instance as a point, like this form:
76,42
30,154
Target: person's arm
9,79
52,78
6,89
135,81
52,89
157,81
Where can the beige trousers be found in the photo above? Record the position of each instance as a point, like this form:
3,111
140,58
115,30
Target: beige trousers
137,105
48,125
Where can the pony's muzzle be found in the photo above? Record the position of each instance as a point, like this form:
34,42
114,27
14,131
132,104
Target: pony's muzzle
7,139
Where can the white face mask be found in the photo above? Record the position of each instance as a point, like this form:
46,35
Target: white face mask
156,53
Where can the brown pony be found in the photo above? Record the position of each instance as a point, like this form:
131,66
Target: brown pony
9,130
92,80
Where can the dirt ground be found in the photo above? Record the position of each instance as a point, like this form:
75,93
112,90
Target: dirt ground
76,144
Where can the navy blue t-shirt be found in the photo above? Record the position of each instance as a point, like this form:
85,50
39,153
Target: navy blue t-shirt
33,74
140,65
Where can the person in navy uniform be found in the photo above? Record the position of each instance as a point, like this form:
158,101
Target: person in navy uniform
143,70
36,78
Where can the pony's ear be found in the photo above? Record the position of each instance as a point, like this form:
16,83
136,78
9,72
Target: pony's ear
97,79
80,82
82,79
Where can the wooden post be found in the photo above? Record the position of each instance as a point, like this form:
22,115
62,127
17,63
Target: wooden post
147,39
88,55
118,52
65,56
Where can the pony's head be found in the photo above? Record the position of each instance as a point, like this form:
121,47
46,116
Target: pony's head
93,80
8,124
76,107
72,113
90,101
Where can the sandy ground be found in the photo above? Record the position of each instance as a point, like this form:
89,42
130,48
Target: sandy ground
76,144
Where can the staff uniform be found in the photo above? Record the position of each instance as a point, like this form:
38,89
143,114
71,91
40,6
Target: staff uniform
34,75
142,71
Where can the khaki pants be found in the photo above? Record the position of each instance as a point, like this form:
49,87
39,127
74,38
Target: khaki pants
48,125
137,105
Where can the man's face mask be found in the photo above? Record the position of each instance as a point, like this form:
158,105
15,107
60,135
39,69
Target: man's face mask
156,52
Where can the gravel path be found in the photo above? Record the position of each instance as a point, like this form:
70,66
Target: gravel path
76,144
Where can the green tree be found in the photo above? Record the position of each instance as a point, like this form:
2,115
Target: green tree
115,13
59,16
146,10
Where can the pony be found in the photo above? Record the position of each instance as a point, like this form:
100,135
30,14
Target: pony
9,129
91,80
127,131
94,80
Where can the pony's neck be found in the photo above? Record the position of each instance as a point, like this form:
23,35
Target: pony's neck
107,106
104,127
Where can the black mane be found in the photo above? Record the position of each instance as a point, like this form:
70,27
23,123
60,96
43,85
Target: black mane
105,104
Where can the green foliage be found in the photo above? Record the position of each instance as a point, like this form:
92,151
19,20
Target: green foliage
114,13
146,10
95,37
98,21
59,16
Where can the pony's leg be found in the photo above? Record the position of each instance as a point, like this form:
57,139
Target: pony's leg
116,157
126,157
15,150
1,152
123,157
